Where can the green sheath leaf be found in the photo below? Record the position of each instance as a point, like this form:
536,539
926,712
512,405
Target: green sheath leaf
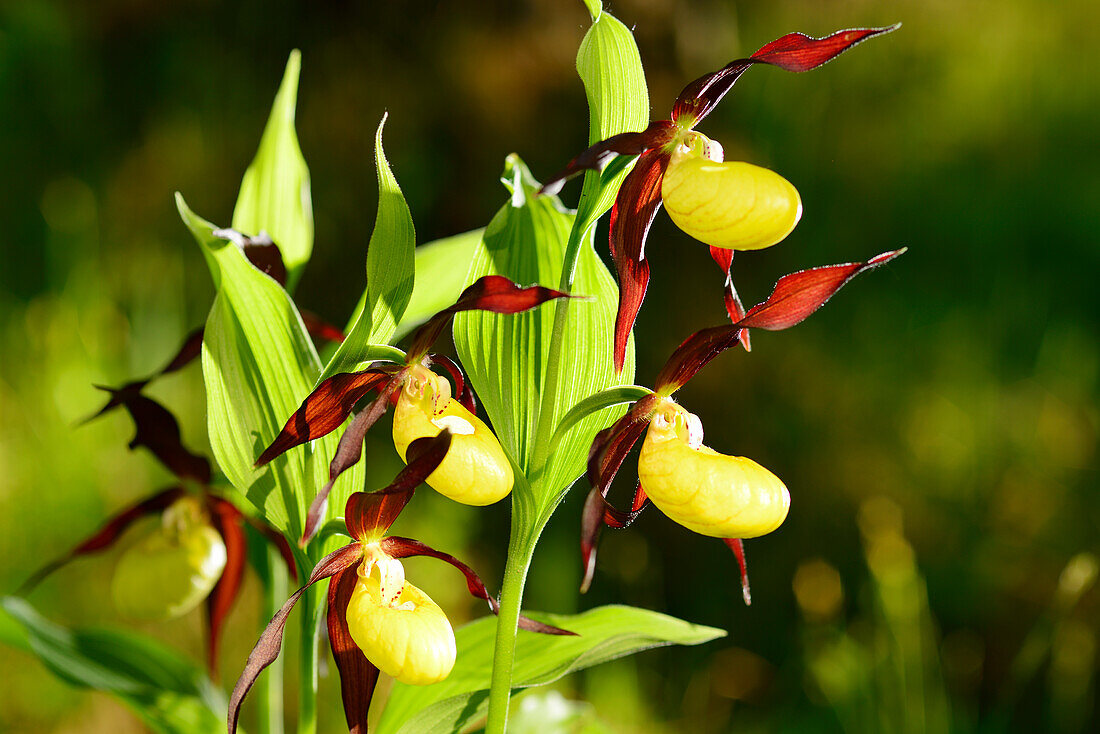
506,356
604,633
275,194
258,365
390,270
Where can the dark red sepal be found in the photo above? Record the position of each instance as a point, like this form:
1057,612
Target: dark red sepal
464,392
326,408
227,521
597,513
260,250
794,298
188,351
358,676
397,547
271,639
738,547
348,452
278,540
108,534
320,328
369,515
636,205
493,293
792,52
611,445
157,430
596,157
734,308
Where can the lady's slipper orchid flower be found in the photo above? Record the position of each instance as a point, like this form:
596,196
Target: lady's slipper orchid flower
199,551
727,205
477,471
376,619
728,497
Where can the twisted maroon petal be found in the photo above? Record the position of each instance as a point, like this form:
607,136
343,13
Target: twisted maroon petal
370,514
493,293
358,676
794,298
738,547
327,407
226,520
348,452
792,52
597,513
157,430
724,259
636,205
596,157
271,639
397,547
108,534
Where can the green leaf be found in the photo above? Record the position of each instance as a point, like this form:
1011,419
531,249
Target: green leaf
618,100
604,633
595,7
258,365
390,270
275,192
506,355
594,403
170,694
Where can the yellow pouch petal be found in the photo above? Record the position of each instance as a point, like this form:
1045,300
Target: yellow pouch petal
705,491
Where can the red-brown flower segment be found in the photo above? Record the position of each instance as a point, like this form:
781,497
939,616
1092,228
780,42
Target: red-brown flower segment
727,205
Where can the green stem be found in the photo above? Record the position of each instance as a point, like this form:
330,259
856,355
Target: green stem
308,662
271,683
521,547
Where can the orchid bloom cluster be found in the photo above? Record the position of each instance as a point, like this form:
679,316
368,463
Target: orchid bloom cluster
727,497
729,206
378,620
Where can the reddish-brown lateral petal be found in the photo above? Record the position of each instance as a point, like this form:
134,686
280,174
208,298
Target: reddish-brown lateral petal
798,295
158,431
325,409
397,547
464,392
188,351
794,297
278,540
738,547
792,52
108,534
348,452
227,520
734,308
488,293
260,250
636,205
611,445
597,513
596,157
358,676
271,639
320,328
369,514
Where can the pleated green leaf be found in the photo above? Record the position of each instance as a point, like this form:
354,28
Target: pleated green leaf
506,355
390,270
258,365
618,100
604,633
275,194
171,694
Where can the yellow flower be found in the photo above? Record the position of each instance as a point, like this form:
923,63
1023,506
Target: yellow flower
475,471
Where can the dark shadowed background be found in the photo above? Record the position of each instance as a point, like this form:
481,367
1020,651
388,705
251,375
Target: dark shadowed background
936,423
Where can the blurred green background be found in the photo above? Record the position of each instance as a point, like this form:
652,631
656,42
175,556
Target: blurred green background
936,423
